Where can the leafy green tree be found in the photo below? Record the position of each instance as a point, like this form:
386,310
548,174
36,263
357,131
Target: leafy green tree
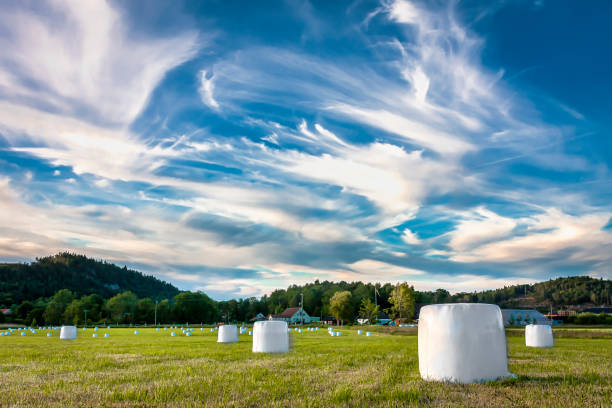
21,312
73,312
54,311
121,307
195,307
340,306
369,310
36,314
441,296
164,312
402,301
145,311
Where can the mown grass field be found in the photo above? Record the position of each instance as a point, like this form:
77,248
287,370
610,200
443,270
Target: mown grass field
155,369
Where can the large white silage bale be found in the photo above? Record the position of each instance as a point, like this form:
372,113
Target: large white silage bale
270,336
227,333
68,332
538,335
462,343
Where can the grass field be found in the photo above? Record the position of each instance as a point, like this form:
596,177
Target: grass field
155,369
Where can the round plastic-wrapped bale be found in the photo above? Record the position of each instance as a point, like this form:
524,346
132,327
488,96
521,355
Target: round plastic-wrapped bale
48,334
68,332
462,343
538,335
270,336
227,333
106,335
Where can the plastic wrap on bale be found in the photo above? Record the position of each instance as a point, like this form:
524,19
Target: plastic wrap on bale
270,337
68,332
538,335
227,334
462,343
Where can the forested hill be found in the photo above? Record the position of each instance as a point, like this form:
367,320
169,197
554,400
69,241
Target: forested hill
79,274
560,292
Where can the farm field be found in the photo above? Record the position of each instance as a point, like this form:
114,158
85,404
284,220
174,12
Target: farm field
155,369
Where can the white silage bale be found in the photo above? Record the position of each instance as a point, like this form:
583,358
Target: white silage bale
462,343
538,335
95,335
105,334
188,334
270,336
48,334
136,332
359,332
227,333
368,334
68,333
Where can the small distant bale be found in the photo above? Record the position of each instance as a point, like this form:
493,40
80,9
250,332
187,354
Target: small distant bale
68,333
227,333
270,336
538,335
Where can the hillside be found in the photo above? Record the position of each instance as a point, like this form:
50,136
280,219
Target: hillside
570,292
82,275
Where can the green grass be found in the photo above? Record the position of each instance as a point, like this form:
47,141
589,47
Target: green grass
154,369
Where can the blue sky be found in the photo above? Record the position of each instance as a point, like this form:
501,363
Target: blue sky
233,148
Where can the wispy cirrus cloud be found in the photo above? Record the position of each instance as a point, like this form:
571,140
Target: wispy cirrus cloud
250,163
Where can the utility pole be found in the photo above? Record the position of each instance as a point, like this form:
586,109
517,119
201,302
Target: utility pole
302,311
85,311
157,301
375,298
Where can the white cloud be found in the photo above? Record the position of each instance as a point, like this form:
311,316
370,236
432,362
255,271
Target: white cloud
84,58
545,235
479,227
410,237
206,90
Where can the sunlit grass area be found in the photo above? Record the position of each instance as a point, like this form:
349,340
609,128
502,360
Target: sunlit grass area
155,369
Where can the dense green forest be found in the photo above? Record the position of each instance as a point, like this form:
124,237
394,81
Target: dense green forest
79,274
60,288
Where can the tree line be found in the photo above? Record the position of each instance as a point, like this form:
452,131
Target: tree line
124,308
